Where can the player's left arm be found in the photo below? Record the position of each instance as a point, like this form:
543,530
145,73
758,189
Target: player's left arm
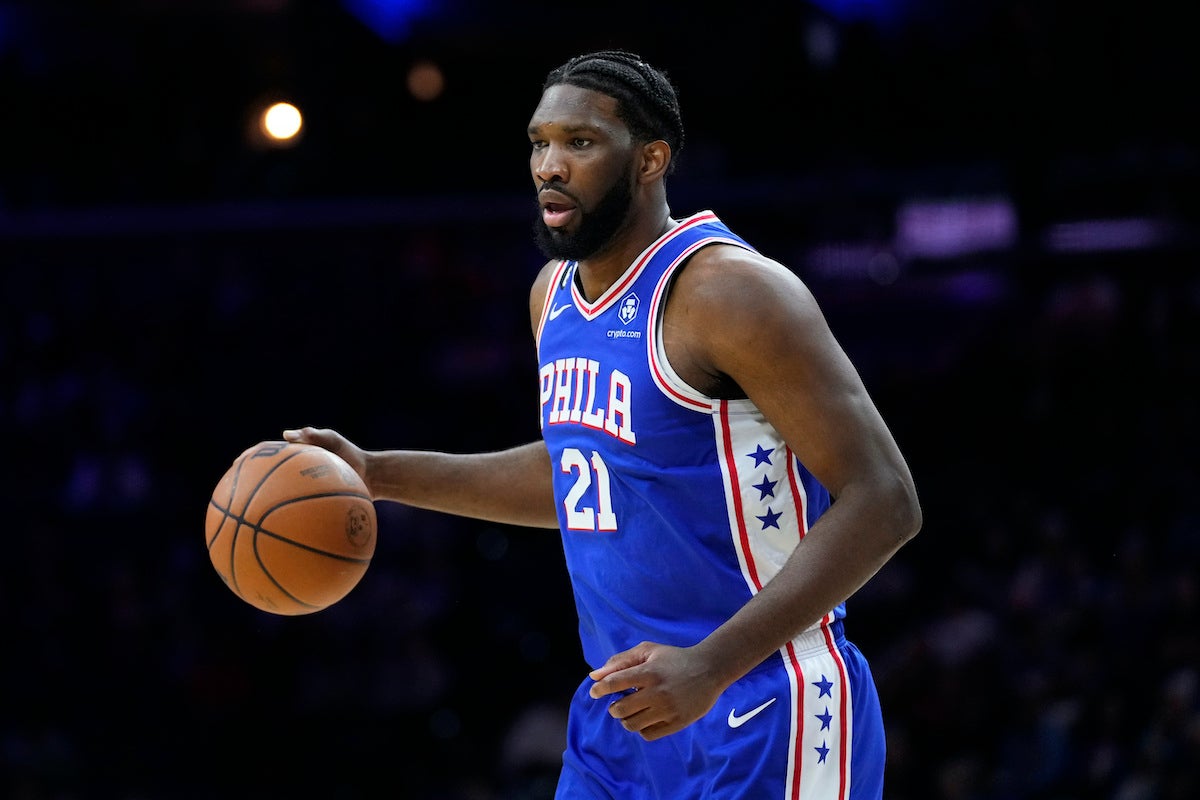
773,340
749,320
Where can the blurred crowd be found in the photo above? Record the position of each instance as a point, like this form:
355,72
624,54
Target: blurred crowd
1037,640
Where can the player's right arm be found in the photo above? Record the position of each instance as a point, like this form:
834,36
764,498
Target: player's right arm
512,486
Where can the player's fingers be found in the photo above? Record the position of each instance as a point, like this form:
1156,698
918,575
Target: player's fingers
616,664
632,704
658,730
322,437
635,716
298,434
622,681
650,724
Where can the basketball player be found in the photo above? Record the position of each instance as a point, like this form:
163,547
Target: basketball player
699,421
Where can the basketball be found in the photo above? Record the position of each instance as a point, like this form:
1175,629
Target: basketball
290,528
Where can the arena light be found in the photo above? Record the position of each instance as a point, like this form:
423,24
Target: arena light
1108,235
276,124
281,121
391,20
877,11
937,228
425,81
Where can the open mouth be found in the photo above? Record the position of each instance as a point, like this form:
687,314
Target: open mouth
557,207
555,215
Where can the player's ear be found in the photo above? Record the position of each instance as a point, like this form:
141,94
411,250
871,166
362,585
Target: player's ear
656,157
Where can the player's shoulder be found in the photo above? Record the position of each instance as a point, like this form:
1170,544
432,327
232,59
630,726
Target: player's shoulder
539,290
725,291
549,268
724,271
544,276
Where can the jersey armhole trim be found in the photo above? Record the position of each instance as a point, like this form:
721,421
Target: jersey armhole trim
551,288
665,377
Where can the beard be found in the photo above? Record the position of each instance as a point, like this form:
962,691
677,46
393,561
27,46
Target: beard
597,228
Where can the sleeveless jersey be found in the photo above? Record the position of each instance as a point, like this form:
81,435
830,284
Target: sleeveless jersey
674,507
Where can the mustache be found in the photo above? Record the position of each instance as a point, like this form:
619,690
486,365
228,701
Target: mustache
558,187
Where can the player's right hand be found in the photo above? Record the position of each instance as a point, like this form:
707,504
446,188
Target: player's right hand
334,442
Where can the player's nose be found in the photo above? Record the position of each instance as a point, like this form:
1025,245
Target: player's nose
550,164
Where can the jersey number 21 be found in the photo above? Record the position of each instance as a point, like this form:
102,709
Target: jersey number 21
587,518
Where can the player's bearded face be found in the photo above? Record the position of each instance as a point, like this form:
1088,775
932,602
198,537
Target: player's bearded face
596,227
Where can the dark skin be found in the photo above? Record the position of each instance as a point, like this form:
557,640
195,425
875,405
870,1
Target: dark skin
736,324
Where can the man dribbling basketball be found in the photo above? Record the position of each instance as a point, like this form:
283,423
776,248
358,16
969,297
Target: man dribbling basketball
698,421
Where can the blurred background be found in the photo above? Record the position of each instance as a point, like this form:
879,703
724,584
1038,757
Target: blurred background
995,202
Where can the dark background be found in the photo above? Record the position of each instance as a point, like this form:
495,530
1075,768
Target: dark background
996,206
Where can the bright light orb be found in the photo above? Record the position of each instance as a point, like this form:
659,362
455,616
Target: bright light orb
282,121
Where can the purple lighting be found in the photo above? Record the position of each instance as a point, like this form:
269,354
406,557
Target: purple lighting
952,228
1107,235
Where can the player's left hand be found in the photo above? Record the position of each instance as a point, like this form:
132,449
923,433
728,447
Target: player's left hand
664,688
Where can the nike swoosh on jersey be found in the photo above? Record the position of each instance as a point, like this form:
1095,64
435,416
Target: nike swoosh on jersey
736,721
554,312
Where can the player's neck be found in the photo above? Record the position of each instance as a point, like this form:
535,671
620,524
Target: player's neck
600,271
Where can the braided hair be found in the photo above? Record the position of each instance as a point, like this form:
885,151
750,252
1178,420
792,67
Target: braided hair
646,99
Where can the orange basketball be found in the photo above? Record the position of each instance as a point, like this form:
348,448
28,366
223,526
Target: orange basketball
290,528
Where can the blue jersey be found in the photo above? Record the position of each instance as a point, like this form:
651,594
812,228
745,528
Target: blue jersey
675,507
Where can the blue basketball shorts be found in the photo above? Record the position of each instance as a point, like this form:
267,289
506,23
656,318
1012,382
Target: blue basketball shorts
804,725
